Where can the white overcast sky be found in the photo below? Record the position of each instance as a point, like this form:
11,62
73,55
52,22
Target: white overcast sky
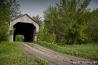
37,7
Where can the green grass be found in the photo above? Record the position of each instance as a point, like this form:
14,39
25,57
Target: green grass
83,50
12,54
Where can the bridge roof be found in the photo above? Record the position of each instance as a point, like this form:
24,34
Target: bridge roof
24,19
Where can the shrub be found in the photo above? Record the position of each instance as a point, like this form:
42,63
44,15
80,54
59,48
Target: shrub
46,36
19,38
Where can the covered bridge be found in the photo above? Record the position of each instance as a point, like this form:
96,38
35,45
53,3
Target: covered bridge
23,25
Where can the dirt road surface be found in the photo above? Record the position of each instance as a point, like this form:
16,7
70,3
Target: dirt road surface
55,58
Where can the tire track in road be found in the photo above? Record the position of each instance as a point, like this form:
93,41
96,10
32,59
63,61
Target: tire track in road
55,58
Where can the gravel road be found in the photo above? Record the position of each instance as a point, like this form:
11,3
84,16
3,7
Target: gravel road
55,58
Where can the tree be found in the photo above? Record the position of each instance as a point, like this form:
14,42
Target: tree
5,17
92,28
38,20
68,21
15,9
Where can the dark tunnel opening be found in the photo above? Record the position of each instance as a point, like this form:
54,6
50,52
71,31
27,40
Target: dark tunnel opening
25,29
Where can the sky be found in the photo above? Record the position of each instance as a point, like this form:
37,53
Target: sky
93,4
37,7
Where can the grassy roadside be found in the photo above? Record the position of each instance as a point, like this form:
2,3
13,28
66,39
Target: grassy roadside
12,54
84,50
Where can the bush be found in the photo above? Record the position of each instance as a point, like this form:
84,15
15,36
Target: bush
3,33
46,36
19,38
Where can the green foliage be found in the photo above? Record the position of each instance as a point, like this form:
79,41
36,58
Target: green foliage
92,29
71,21
84,50
19,38
6,7
12,54
46,36
3,32
4,19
